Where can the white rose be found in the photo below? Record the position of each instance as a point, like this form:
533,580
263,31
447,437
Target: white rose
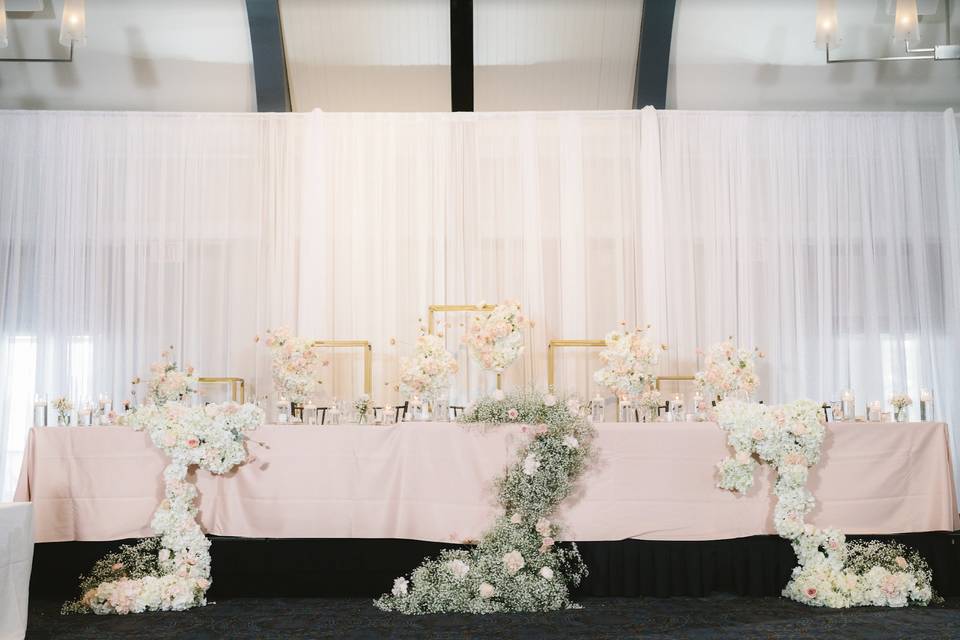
543,527
164,555
499,395
571,442
486,590
549,400
516,518
400,587
547,573
458,568
530,464
513,562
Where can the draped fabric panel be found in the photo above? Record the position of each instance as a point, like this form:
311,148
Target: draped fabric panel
124,233
828,240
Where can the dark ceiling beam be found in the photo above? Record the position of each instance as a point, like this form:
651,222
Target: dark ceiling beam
653,55
461,55
269,63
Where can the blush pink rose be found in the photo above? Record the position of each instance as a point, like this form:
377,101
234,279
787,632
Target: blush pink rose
193,443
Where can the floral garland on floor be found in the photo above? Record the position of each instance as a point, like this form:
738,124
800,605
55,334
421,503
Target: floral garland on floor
630,359
516,566
495,338
171,572
831,572
295,365
427,372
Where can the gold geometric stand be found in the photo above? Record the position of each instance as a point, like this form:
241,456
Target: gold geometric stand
553,345
367,357
237,392
443,308
674,379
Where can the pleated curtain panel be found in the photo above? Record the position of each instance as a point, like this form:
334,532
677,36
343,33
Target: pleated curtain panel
831,241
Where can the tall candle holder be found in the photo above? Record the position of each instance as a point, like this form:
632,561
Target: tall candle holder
926,405
597,409
40,410
849,405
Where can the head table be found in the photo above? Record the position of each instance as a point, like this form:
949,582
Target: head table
435,481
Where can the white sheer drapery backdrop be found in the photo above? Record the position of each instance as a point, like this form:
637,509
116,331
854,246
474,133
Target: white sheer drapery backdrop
121,234
829,240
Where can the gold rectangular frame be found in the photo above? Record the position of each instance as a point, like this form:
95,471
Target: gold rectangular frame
674,379
237,386
551,354
367,357
443,308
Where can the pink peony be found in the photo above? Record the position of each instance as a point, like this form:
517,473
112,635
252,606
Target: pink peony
543,527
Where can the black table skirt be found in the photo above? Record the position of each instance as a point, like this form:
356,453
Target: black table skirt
754,566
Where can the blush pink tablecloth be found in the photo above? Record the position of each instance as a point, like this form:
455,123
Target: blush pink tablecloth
434,481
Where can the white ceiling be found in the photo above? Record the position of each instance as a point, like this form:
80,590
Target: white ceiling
388,55
375,55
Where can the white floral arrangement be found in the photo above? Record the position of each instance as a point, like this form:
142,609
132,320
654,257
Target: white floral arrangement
517,564
830,571
495,338
900,402
630,358
296,365
728,370
172,572
64,407
427,372
362,406
169,383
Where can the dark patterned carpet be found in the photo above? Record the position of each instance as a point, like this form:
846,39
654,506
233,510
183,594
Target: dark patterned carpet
713,617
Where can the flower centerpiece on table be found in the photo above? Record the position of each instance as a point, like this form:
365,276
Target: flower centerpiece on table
296,365
362,407
64,407
495,338
900,403
427,372
650,402
630,358
169,383
728,371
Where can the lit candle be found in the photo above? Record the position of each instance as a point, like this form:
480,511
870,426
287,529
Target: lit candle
597,409
625,410
873,411
676,408
333,414
40,410
283,409
849,405
388,414
310,413
926,405
85,414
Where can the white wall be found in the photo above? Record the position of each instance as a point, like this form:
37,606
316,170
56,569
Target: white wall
165,55
759,54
